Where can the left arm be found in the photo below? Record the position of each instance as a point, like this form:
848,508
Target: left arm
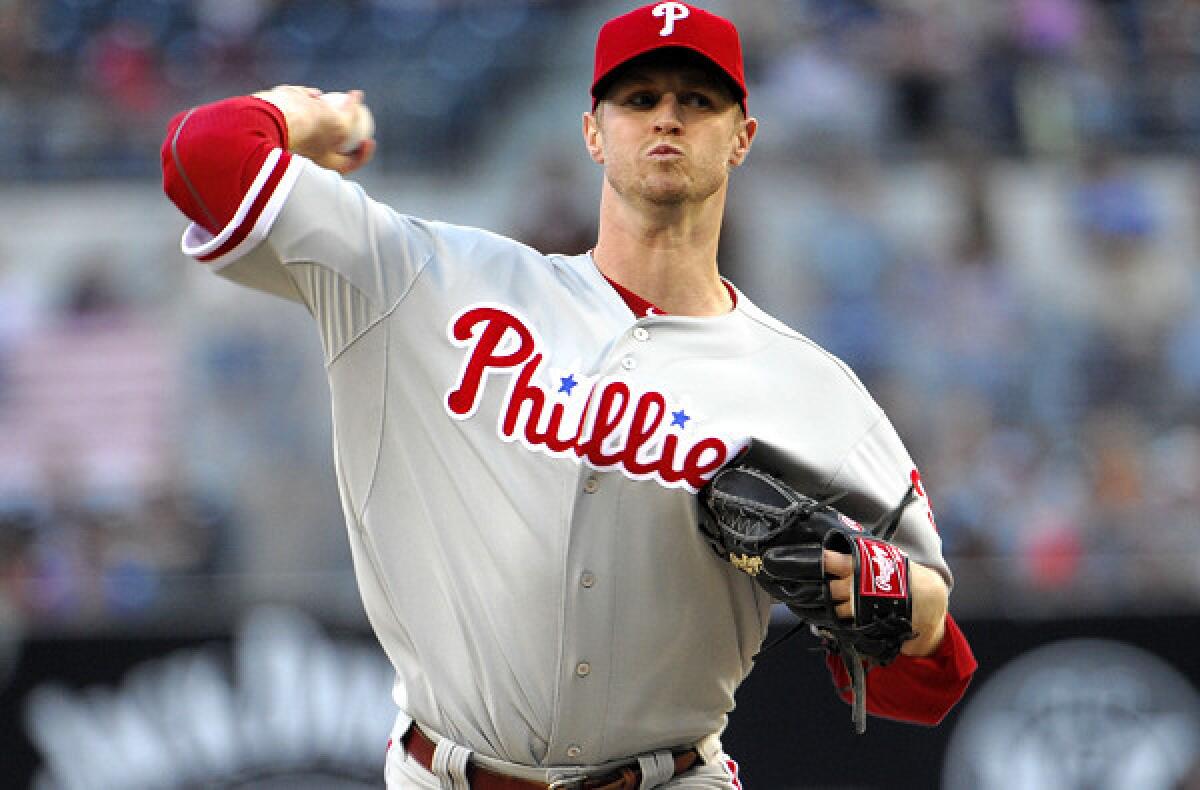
934,668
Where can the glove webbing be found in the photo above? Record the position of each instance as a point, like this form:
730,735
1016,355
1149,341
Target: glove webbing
885,528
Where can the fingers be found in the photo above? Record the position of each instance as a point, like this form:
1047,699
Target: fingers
348,163
838,564
317,127
841,587
302,90
843,595
290,94
364,153
800,569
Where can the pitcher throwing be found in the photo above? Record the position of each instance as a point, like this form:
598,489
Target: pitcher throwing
520,437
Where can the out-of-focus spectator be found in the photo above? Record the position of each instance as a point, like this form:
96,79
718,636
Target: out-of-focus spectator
923,54
17,536
17,23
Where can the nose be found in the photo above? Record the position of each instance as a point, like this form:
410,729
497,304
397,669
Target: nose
668,116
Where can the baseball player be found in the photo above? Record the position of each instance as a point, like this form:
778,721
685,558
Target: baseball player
519,437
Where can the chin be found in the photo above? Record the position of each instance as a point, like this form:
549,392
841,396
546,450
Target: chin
665,194
676,198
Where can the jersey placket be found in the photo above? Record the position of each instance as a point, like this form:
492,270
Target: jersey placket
590,602
592,599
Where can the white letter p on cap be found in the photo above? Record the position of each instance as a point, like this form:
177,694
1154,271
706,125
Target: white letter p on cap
671,13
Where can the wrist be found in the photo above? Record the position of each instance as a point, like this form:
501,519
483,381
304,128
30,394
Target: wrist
294,118
930,604
927,641
311,127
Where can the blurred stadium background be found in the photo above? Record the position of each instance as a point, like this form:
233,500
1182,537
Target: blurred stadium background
988,208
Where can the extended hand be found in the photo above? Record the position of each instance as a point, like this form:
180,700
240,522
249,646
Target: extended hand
316,130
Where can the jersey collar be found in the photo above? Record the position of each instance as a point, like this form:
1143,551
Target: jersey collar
643,307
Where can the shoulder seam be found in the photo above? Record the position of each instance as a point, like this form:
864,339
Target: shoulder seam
383,414
786,332
852,447
374,322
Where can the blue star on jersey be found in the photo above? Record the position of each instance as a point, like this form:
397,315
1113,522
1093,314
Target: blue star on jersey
568,383
679,418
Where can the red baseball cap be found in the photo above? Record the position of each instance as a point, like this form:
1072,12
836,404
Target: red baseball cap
663,25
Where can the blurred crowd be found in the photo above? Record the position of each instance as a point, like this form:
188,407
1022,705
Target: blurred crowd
986,207
1023,77
95,511
87,86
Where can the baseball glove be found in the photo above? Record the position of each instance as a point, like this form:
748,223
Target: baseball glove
776,535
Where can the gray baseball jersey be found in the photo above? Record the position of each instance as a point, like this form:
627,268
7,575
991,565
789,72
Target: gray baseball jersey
517,455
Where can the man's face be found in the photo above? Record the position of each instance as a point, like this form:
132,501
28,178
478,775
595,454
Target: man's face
667,133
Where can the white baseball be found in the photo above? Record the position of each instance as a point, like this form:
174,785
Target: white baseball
362,125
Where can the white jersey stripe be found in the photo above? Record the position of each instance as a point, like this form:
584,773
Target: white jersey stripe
255,215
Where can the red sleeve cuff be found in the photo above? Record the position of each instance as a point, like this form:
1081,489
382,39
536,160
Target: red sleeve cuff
916,689
213,153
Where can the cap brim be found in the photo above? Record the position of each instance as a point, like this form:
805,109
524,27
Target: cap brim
601,85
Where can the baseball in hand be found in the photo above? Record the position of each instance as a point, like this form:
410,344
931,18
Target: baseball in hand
362,125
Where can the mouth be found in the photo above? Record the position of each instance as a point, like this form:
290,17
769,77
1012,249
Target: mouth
664,151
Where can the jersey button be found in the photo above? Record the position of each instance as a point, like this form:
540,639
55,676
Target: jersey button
587,579
583,669
574,751
629,363
591,485
641,333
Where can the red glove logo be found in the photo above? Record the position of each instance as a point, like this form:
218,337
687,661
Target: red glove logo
885,575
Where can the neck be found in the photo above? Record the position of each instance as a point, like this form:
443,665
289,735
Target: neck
665,254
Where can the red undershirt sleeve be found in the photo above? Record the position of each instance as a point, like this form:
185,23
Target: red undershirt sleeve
213,153
915,689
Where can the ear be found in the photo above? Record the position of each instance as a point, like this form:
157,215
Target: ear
592,137
747,128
